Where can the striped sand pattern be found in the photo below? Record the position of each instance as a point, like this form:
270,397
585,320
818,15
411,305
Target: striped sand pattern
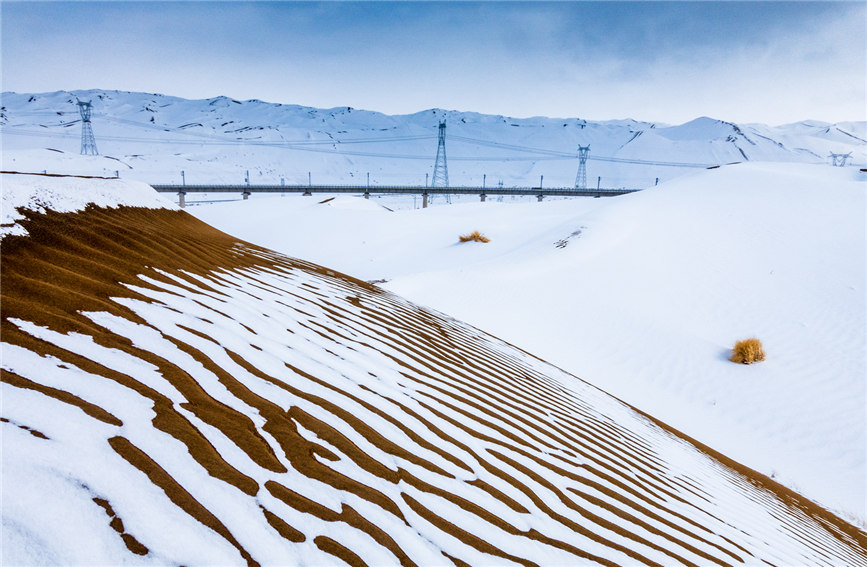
198,400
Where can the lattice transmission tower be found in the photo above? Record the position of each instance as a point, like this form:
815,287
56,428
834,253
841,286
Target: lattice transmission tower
581,178
441,168
88,142
839,160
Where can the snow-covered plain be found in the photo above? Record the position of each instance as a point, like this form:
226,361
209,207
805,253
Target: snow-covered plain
644,295
174,396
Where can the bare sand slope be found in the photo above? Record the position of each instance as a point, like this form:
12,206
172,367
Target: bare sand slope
173,395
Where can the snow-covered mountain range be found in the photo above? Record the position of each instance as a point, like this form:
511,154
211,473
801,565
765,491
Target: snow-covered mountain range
153,138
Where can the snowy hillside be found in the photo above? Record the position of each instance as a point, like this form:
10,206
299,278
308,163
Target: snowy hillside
153,138
643,296
188,398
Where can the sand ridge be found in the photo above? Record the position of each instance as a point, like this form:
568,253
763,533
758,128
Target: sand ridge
311,400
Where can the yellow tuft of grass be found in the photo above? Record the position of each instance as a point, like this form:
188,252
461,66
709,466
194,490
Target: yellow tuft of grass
748,351
474,236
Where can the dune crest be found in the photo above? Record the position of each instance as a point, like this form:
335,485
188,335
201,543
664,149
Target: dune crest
195,399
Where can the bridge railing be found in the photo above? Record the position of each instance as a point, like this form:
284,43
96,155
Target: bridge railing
425,192
388,189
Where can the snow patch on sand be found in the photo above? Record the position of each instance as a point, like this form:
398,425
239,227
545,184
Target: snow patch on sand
40,193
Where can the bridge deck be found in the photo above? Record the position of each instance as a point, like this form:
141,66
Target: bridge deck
395,189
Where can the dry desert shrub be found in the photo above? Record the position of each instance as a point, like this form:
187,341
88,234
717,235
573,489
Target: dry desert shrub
748,351
474,236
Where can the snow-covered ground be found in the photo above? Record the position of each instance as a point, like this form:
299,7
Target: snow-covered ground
643,295
171,395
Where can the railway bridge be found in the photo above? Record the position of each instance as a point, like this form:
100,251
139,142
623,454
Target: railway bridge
246,190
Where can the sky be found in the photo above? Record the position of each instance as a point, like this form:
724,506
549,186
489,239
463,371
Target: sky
770,62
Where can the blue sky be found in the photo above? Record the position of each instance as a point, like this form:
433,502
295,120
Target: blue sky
772,62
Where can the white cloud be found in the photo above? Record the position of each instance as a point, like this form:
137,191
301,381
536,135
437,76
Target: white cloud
763,62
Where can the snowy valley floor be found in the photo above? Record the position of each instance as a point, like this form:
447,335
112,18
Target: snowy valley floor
174,395
644,296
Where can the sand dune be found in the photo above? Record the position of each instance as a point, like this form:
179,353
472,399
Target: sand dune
174,395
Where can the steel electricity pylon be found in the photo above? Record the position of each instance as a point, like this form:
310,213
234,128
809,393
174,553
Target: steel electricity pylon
839,160
88,142
581,178
441,168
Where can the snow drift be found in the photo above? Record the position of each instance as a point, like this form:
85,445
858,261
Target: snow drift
174,395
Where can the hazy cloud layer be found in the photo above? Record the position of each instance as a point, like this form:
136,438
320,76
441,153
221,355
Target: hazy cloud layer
768,62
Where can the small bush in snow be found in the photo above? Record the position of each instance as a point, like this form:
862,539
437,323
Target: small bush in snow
747,351
474,236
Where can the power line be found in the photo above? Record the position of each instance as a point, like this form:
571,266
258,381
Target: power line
538,154
553,153
281,145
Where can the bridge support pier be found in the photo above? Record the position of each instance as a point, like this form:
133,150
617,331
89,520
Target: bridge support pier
246,195
482,197
424,200
182,199
540,197
367,195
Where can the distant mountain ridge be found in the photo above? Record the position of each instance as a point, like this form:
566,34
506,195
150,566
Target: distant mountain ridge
153,137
